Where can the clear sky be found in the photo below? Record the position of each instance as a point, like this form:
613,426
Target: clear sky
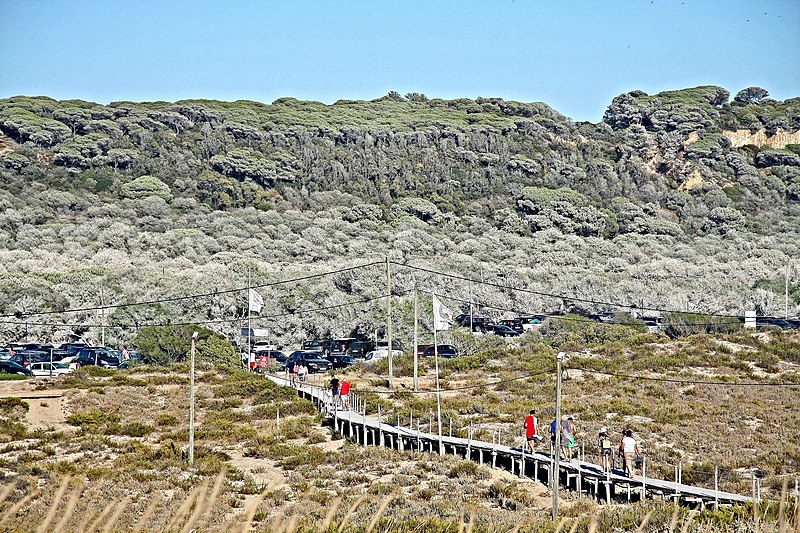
575,55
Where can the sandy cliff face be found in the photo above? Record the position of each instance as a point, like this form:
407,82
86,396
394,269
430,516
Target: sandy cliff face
760,138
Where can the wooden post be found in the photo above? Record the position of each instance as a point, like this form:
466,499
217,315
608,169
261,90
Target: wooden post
416,339
556,453
716,487
389,320
379,441
644,478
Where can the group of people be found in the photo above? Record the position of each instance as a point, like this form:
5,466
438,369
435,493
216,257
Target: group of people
340,393
627,448
297,374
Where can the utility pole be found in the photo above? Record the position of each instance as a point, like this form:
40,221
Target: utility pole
389,320
786,294
102,320
416,319
557,448
191,403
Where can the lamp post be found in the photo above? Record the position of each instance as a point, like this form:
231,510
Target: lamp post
191,402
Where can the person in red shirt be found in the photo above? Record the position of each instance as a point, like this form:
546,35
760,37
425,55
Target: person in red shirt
531,426
344,394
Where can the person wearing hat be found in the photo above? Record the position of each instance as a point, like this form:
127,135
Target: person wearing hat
605,445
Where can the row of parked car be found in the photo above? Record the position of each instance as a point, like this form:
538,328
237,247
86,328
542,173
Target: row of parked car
37,359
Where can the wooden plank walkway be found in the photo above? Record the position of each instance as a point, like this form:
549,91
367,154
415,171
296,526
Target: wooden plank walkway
580,476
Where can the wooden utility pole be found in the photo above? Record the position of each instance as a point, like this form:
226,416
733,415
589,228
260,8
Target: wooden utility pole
416,340
557,448
786,294
389,319
191,403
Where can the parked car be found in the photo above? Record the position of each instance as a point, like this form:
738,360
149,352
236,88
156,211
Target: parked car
339,346
360,348
531,321
477,321
503,331
341,361
18,358
50,369
70,361
313,345
443,350
421,349
313,360
97,356
10,367
377,355
73,348
513,323
383,344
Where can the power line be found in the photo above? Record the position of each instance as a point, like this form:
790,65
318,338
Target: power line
565,318
203,322
192,296
553,295
692,382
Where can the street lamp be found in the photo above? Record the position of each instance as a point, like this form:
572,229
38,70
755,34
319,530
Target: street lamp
191,402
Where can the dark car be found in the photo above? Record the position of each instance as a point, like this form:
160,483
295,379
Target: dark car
72,348
10,367
421,349
360,348
340,346
341,361
97,356
513,323
313,360
316,345
476,321
20,359
771,322
503,331
444,350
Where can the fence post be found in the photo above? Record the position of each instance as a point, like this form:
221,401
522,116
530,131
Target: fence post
716,487
644,477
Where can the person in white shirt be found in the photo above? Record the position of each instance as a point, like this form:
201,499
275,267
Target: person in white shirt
629,449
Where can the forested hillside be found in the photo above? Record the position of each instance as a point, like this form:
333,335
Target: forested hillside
659,205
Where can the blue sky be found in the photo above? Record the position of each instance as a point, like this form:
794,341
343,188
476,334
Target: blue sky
574,55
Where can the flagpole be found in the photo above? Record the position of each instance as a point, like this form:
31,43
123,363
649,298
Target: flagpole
438,392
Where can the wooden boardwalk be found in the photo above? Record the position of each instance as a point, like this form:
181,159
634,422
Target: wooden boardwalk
580,476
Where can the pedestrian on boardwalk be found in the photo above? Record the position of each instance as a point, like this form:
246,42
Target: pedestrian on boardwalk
553,426
568,431
335,391
605,445
302,373
629,449
531,426
344,394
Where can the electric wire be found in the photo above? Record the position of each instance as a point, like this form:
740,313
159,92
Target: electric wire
553,295
192,296
204,322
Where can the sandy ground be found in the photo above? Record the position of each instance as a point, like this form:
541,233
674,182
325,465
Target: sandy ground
46,409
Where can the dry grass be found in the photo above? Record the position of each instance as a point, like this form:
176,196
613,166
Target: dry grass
252,473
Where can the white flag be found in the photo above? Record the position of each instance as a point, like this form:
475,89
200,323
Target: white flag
256,302
442,316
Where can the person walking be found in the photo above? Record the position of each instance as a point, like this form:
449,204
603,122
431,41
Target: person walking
567,437
605,445
344,394
629,449
553,426
531,426
335,391
302,373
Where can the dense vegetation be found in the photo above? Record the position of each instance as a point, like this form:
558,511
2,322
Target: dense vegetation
650,207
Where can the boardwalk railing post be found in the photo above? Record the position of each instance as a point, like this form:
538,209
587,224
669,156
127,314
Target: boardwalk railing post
277,417
644,478
716,487
379,441
451,426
